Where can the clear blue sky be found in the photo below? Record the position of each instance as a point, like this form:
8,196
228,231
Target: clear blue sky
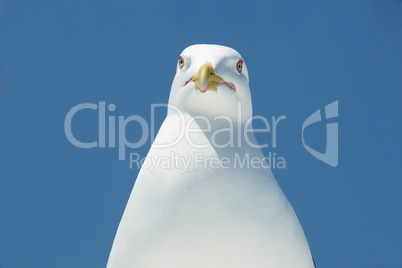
60,205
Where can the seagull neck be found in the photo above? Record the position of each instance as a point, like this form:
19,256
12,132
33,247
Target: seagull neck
221,132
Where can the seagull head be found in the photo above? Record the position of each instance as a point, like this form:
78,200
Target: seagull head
212,81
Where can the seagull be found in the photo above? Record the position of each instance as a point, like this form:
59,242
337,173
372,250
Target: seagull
205,196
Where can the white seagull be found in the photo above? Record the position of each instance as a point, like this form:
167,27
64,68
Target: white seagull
199,200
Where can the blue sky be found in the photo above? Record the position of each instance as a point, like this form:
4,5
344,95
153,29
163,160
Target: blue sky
61,205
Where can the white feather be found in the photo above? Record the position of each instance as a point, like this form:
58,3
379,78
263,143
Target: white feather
207,216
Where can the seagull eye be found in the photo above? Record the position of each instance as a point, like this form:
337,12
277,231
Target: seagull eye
239,66
181,62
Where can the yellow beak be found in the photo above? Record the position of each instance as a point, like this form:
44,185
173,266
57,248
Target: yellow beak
206,79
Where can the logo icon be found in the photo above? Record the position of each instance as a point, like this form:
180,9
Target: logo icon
330,156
